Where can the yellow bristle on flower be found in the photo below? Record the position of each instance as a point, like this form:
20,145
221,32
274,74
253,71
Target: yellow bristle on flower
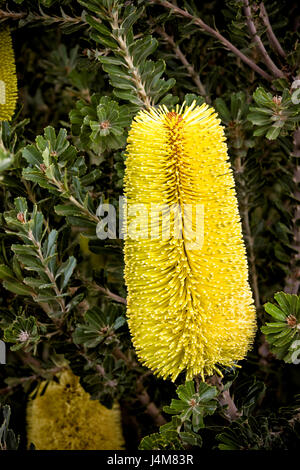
8,78
189,306
65,418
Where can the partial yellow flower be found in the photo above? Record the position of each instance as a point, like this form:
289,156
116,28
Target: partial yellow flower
190,307
8,78
65,418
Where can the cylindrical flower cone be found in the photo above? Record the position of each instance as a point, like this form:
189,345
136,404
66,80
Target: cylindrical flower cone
189,305
65,418
8,78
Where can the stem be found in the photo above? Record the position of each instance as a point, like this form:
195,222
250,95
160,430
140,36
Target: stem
104,290
31,195
35,17
80,206
180,55
151,408
225,399
11,15
202,25
256,38
50,275
136,77
250,240
292,282
83,209
74,201
142,394
33,377
272,38
244,208
110,294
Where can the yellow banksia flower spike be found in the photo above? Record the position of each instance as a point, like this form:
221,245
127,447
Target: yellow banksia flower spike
65,418
189,307
8,78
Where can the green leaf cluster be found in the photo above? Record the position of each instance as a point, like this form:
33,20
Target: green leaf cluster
54,165
23,332
101,124
134,77
188,413
100,327
283,333
274,115
238,128
37,254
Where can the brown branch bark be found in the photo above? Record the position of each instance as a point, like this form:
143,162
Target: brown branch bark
21,380
293,279
250,243
151,408
205,27
111,295
142,394
32,17
225,399
244,210
11,14
257,40
275,44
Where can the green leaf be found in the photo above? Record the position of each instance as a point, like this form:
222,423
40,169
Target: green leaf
66,271
21,204
17,287
275,312
32,155
273,133
284,302
186,391
6,273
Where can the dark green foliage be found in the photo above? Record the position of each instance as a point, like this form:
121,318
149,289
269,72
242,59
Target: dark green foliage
132,75
283,333
193,405
274,115
23,332
100,124
234,117
85,68
99,327
252,434
188,413
8,440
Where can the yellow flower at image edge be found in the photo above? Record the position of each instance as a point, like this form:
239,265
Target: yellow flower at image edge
65,418
8,79
188,309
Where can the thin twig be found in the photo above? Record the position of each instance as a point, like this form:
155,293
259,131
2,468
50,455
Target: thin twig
142,394
244,209
103,290
272,38
151,408
31,17
11,14
250,240
22,380
225,399
110,294
61,301
256,38
292,282
197,21
180,55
